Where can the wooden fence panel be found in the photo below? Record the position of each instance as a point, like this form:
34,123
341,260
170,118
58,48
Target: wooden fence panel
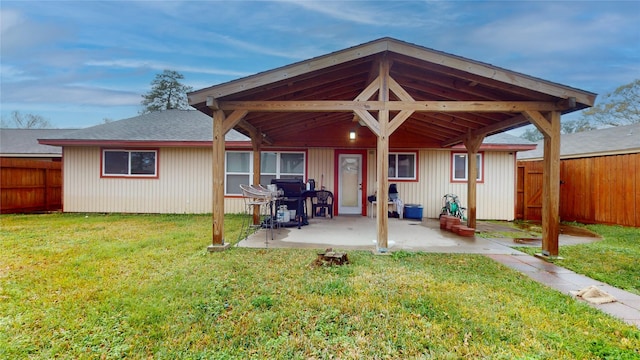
30,186
604,189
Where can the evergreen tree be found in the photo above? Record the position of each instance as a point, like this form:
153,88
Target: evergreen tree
166,93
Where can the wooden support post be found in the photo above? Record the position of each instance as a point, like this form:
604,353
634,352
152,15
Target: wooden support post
217,212
549,126
472,143
256,142
551,189
382,172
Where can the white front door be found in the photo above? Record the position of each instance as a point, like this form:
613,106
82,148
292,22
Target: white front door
350,184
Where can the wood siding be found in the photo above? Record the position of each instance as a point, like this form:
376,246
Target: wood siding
604,190
184,183
30,186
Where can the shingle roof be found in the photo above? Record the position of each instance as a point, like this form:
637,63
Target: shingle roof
614,140
506,139
24,142
168,125
190,126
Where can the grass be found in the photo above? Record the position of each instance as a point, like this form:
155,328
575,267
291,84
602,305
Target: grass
142,286
614,260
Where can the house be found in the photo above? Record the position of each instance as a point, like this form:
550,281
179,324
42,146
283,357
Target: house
158,162
390,110
176,146
599,174
23,144
31,172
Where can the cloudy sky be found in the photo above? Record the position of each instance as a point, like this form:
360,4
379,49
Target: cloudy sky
77,63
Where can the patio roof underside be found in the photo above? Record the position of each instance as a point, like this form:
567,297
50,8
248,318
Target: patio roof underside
422,80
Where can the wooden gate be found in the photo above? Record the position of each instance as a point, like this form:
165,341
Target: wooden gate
603,190
529,191
30,186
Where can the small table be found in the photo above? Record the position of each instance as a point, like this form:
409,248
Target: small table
375,203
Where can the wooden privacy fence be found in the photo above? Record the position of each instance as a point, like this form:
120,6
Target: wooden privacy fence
602,190
30,186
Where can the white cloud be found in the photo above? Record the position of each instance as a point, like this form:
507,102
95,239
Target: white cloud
552,30
19,34
36,93
136,64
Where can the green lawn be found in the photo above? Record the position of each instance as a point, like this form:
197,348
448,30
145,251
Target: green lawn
141,286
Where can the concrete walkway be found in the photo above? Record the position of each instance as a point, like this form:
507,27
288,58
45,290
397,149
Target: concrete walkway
359,233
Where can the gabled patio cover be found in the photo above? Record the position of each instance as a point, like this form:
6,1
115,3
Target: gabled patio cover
407,96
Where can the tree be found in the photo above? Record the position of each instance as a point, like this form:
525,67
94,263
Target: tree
532,134
26,121
566,127
622,107
576,126
166,93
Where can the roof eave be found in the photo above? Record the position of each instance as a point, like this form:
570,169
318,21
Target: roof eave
583,98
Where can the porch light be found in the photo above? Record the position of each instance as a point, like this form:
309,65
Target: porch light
352,135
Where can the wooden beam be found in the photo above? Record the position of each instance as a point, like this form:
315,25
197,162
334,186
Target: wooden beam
368,92
368,119
398,120
539,121
212,103
514,121
399,91
551,188
423,106
288,72
217,166
487,72
244,124
232,120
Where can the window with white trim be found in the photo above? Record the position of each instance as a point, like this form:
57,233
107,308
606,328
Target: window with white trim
273,165
402,166
459,167
129,163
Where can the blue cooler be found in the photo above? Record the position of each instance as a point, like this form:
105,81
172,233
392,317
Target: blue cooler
413,211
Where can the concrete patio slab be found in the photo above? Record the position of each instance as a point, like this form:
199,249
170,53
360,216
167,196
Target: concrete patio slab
359,232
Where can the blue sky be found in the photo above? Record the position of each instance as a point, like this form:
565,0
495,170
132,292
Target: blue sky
79,62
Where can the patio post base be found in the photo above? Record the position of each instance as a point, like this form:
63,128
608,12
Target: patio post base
548,258
381,251
218,247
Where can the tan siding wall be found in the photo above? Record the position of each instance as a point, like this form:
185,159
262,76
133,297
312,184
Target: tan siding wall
496,195
320,167
183,185
173,192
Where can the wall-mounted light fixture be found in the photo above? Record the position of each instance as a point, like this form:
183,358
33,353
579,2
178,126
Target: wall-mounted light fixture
352,135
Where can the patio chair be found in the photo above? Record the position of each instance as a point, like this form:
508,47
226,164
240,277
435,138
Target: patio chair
323,201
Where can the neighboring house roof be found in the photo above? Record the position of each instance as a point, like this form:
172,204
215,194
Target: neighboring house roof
193,128
168,128
609,141
24,142
504,141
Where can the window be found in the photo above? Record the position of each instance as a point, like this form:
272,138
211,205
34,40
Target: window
402,166
459,167
273,165
129,163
